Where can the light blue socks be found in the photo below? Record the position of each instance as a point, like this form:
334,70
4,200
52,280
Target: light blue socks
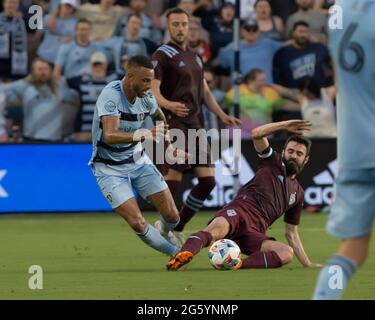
334,278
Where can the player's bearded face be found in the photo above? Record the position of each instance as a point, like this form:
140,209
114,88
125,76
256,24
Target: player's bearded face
294,157
292,166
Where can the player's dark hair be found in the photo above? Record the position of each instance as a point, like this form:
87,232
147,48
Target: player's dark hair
251,76
139,61
300,139
176,11
300,23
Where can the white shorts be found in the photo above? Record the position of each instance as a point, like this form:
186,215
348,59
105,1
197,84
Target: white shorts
353,211
118,188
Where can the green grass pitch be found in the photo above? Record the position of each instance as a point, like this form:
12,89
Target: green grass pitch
97,256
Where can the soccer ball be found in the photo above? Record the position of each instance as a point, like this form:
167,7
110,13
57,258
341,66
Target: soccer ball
224,254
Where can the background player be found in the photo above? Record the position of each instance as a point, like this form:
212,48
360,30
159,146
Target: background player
274,190
118,161
180,88
352,214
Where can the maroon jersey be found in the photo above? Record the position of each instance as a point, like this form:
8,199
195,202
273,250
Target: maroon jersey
271,193
181,76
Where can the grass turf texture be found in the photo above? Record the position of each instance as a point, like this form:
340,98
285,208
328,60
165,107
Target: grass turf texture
97,256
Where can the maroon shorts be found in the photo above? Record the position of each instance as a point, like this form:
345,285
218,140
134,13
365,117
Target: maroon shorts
243,230
199,148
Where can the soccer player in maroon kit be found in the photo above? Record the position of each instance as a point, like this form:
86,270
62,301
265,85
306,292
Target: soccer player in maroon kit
179,87
273,191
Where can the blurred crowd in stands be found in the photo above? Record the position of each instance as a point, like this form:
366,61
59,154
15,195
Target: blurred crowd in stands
51,77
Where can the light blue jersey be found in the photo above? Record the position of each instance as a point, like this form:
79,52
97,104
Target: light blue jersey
113,102
353,51
119,167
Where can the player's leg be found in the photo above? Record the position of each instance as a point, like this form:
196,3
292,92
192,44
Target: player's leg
150,184
130,211
169,217
173,179
351,219
118,191
198,194
217,229
263,252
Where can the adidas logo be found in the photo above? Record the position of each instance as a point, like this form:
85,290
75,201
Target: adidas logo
181,64
322,193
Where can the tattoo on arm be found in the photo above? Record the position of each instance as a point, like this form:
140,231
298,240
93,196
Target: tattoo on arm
159,116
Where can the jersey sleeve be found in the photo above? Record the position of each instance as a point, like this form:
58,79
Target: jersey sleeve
108,102
160,62
269,157
293,215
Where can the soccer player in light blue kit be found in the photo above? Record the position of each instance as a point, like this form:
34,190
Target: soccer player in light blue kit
352,215
118,160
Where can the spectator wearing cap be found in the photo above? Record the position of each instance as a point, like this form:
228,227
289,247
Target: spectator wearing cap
196,43
316,19
302,58
103,17
256,52
73,59
130,44
88,88
60,29
270,26
221,28
13,43
150,26
54,5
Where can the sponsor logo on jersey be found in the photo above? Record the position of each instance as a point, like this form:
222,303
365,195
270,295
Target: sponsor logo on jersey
182,64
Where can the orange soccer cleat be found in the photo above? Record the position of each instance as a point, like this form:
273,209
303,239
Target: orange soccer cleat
179,260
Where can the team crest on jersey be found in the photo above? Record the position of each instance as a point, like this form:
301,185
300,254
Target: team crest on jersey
141,116
110,106
292,198
199,61
231,212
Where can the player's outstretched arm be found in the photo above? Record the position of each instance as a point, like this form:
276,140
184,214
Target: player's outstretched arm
294,240
260,134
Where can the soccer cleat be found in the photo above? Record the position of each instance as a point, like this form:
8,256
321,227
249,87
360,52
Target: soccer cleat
179,260
238,266
170,237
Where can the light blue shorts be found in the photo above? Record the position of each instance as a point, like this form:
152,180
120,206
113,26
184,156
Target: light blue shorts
353,211
117,187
